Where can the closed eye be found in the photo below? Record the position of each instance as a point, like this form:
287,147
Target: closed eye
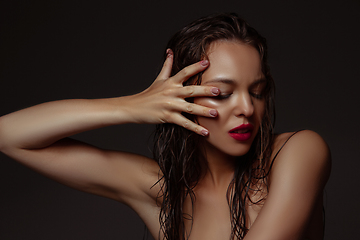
257,89
256,95
222,96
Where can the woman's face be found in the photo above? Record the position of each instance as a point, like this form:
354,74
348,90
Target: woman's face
235,68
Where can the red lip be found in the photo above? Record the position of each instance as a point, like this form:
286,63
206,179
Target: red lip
242,132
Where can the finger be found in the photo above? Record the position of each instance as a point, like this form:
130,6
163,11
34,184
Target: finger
190,71
186,123
198,110
167,66
197,91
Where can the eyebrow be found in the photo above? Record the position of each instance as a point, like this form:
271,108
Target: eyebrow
232,82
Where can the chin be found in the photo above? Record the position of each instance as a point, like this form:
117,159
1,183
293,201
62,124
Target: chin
239,152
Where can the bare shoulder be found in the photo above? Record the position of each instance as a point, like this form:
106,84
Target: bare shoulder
297,178
303,151
305,143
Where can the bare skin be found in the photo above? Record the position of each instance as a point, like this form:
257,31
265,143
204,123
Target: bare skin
38,138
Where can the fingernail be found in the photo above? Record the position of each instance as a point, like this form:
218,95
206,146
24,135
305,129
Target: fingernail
213,112
168,52
215,91
204,132
204,63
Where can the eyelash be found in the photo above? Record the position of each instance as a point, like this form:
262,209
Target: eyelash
222,96
226,96
257,96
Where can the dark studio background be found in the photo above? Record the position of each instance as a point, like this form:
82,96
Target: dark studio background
52,50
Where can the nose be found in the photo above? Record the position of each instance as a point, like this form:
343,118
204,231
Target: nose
244,106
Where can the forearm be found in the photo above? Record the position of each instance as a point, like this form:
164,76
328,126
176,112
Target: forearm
41,125
163,102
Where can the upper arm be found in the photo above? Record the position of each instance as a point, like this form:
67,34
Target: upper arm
298,177
118,175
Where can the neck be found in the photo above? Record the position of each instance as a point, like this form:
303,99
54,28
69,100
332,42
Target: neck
218,168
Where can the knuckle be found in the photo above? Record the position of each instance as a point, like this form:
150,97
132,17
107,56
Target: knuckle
207,91
189,108
186,124
186,72
197,129
162,120
190,91
205,111
167,105
168,92
167,116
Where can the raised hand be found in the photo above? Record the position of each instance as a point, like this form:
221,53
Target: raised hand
164,100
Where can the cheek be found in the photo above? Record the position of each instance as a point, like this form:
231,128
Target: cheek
207,102
260,110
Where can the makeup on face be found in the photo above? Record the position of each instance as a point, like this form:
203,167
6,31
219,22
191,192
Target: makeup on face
242,132
235,68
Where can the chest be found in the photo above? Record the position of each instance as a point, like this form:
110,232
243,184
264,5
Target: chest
211,216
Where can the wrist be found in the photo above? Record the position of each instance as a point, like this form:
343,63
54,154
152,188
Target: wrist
124,110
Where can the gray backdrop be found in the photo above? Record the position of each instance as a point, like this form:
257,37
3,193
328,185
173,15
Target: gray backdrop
53,50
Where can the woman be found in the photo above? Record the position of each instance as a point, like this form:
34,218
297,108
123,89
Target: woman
218,171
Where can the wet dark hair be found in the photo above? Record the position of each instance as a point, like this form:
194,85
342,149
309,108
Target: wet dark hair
179,152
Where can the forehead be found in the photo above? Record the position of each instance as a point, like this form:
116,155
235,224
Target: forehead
234,61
